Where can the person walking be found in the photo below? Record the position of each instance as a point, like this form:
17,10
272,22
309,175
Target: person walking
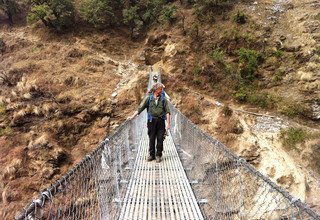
158,113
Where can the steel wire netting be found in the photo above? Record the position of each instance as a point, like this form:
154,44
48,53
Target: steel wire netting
95,188
226,186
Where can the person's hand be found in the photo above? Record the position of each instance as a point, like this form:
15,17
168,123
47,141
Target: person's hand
133,115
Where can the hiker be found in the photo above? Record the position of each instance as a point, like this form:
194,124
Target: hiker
158,112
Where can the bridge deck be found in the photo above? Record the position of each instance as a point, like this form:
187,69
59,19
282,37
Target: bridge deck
159,190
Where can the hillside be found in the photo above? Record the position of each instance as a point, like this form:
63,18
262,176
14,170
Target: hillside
247,73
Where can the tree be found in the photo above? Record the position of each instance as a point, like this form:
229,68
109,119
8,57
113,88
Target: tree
98,12
56,14
131,17
10,8
170,13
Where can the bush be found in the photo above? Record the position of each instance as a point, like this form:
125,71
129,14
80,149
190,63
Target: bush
241,96
217,55
97,12
277,53
56,14
240,18
294,109
227,111
292,136
2,45
10,8
249,62
170,13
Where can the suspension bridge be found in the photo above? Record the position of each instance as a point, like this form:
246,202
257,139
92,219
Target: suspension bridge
198,178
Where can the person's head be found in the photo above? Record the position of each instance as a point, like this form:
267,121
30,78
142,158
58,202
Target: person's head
157,88
155,78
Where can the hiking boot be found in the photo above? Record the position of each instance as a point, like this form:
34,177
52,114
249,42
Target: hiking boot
150,158
158,159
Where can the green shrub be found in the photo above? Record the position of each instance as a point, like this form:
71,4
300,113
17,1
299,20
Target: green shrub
278,76
277,53
2,109
5,131
10,8
241,96
97,12
249,62
293,109
57,14
240,18
262,100
170,13
217,55
292,136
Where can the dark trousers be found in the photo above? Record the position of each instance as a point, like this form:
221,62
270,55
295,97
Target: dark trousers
156,130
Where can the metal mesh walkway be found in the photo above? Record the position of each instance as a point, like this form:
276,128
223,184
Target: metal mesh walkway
159,190
116,182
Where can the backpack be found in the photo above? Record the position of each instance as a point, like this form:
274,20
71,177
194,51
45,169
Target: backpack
163,95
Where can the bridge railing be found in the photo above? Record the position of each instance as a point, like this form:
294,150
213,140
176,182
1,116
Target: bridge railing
94,188
226,185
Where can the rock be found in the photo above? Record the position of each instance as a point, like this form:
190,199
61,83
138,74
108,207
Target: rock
305,76
114,94
156,40
252,154
104,121
153,55
49,172
170,51
282,38
292,48
316,110
286,181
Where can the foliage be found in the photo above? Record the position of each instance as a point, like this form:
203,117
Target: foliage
2,110
293,109
57,14
131,17
247,94
249,62
10,8
292,136
97,12
279,75
277,53
240,18
5,131
317,50
213,3
2,45
227,111
170,13
217,55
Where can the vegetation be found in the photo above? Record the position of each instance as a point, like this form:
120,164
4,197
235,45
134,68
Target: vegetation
170,13
10,8
240,18
56,14
293,109
217,55
2,45
293,136
249,62
227,111
97,12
